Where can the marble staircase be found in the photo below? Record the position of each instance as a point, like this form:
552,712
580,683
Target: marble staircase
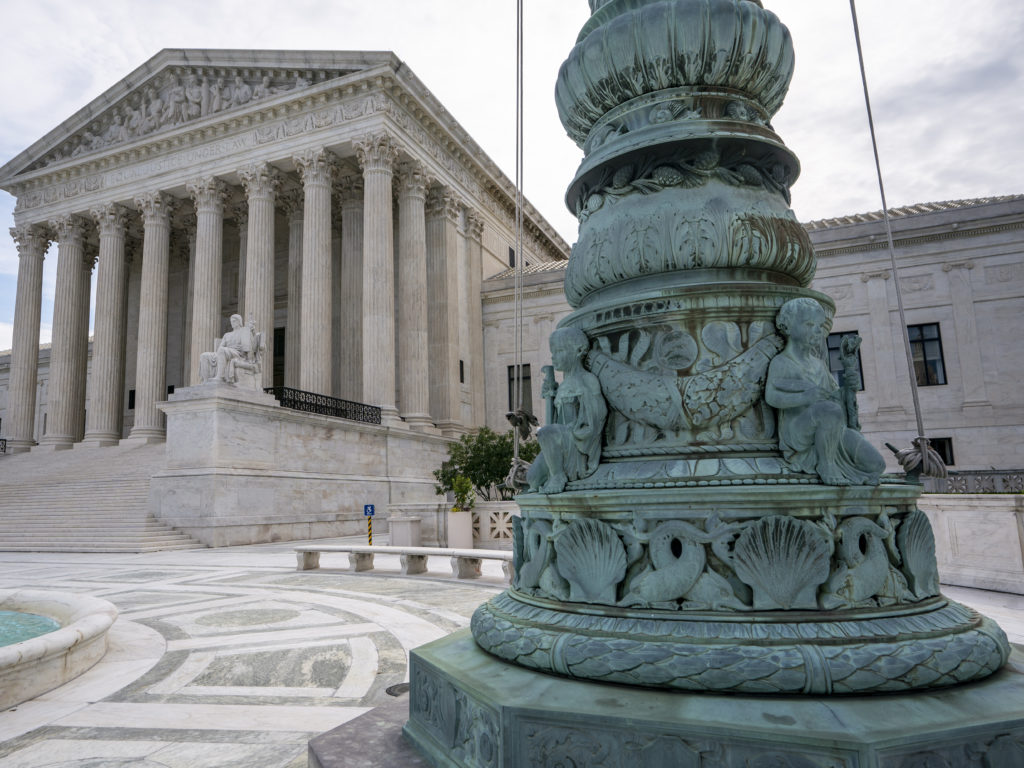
83,500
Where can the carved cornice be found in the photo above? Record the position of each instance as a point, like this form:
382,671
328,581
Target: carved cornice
376,153
316,167
111,219
903,242
31,240
156,207
260,180
70,230
209,194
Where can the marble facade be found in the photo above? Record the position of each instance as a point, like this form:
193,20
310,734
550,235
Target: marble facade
304,190
962,267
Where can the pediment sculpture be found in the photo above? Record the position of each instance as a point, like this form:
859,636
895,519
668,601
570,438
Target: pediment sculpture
237,358
178,96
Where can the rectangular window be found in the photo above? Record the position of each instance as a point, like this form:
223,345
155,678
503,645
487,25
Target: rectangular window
926,349
527,388
944,447
131,399
170,389
835,357
511,256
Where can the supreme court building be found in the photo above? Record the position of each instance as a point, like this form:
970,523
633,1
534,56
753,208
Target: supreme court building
328,196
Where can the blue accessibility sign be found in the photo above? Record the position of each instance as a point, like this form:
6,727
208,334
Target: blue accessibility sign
368,510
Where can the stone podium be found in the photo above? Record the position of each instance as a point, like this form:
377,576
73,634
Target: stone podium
705,517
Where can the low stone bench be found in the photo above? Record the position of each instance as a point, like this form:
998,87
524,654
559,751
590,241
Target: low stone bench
465,562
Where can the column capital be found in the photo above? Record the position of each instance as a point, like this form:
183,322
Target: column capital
376,152
156,207
869,276
90,255
260,180
292,201
413,179
442,201
350,189
70,228
240,213
31,240
111,218
209,194
474,225
316,166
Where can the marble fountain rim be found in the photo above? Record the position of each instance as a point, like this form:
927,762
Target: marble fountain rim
39,664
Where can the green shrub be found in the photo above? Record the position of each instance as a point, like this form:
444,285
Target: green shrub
484,458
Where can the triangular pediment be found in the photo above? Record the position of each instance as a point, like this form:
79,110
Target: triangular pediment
178,87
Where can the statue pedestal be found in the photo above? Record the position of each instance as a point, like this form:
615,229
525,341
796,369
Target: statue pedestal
468,708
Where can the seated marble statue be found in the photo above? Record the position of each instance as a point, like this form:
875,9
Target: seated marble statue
239,350
571,443
814,435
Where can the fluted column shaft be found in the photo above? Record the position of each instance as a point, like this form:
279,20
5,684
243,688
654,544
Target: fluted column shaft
351,193
103,425
377,155
60,420
190,257
209,195
151,365
443,312
317,169
32,242
413,391
80,374
241,216
261,182
474,276
293,211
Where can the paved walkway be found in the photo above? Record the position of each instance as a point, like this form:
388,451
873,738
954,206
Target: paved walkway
229,657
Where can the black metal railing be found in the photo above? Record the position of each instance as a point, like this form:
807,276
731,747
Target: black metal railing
978,481
324,405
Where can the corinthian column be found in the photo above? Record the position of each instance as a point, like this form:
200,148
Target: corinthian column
350,192
475,321
103,425
413,392
261,182
80,369
32,242
317,169
377,155
151,358
240,213
209,195
60,421
293,211
443,311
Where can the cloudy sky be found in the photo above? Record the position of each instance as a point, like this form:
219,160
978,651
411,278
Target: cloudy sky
945,78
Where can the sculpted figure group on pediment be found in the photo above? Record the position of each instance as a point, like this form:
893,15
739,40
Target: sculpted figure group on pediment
173,101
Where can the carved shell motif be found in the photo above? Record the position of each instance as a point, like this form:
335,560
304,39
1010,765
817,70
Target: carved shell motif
592,559
917,546
784,561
